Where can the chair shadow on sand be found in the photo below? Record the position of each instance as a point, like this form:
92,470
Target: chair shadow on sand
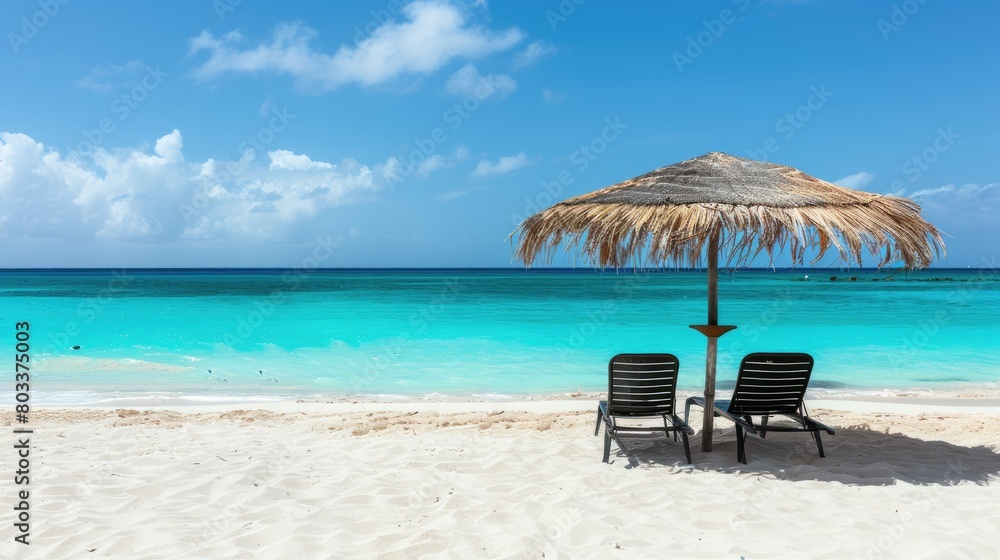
855,456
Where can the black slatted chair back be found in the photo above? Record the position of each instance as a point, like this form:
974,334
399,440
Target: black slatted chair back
642,384
771,383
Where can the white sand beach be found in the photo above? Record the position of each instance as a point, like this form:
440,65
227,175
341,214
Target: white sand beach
902,479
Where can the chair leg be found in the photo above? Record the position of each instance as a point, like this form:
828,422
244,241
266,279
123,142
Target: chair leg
741,454
819,444
687,446
763,426
600,416
687,410
607,444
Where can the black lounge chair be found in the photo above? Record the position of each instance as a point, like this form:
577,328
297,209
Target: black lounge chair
641,386
768,384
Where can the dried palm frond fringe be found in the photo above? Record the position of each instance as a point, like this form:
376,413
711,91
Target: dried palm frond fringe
669,215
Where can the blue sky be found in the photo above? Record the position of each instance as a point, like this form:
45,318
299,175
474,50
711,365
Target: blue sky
398,134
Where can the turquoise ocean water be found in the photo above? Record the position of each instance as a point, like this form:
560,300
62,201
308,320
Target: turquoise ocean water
274,334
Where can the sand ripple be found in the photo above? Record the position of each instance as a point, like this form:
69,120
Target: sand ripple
255,484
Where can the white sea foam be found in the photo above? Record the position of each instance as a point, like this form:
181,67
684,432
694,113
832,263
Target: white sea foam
83,364
136,399
956,390
177,399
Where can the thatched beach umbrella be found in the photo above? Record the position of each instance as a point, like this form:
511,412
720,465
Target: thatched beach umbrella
738,207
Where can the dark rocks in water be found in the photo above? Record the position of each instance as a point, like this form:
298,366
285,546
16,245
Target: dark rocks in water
874,279
833,278
76,348
854,278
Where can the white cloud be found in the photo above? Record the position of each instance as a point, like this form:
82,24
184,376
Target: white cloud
533,53
930,192
169,146
434,33
856,181
438,161
552,97
284,159
452,195
467,81
129,194
266,107
430,165
103,79
506,164
966,212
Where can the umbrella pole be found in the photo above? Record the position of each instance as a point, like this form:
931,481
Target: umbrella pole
713,342
713,330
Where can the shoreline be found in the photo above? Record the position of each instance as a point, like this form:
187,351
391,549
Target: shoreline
904,402
553,404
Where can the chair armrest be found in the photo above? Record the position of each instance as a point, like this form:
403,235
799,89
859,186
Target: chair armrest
700,401
748,426
602,409
678,423
814,425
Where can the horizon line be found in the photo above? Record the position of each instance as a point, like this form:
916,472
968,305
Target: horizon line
512,268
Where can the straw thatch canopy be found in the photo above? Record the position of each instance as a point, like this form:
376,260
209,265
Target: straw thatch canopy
668,215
